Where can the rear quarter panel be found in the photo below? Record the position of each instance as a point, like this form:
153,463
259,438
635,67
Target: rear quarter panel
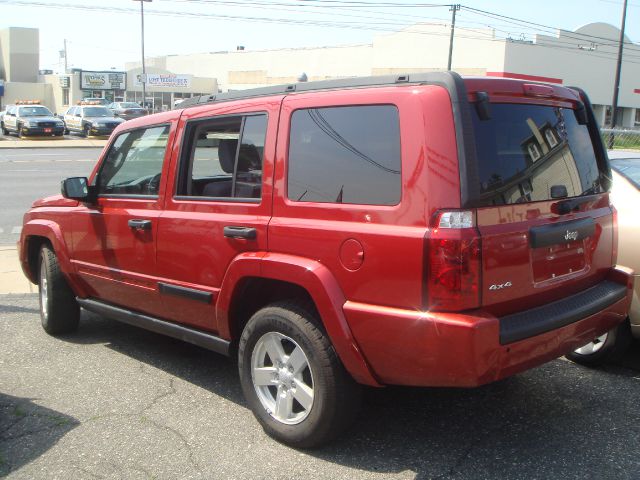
391,237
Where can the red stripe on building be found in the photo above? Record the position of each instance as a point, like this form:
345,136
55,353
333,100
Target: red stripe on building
636,90
521,76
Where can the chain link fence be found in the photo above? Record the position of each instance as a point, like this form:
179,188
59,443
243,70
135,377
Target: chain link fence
619,139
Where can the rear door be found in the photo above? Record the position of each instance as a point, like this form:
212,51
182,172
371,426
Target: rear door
542,204
220,204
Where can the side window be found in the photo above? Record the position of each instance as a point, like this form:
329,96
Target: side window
223,158
345,155
133,165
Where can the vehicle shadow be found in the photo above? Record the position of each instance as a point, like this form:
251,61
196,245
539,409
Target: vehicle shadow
559,420
27,430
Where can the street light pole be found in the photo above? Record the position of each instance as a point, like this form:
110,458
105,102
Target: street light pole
144,71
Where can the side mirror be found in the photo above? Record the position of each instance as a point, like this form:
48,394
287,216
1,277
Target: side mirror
559,191
77,188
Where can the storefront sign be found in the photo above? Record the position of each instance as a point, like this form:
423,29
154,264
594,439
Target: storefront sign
168,80
65,82
103,80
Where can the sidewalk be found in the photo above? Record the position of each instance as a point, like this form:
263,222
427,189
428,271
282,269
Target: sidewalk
12,280
53,143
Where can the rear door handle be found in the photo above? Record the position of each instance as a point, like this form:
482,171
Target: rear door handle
240,232
140,224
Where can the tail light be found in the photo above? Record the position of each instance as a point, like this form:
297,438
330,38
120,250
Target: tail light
453,270
614,224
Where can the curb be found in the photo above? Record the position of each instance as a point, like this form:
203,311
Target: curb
62,143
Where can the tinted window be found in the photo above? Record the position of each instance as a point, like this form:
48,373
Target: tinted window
134,163
629,168
345,155
524,150
224,158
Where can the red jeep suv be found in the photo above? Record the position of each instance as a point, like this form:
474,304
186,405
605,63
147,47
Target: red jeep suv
426,230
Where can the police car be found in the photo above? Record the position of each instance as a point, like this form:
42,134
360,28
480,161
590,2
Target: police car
28,117
90,118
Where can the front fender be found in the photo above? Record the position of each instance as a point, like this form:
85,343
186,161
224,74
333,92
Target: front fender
321,285
51,231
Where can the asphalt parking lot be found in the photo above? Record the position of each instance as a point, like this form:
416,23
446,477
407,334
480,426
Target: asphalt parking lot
114,401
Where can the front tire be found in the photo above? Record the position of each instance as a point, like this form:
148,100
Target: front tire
59,310
607,348
4,130
292,377
85,131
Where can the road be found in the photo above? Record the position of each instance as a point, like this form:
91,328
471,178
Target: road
29,174
114,401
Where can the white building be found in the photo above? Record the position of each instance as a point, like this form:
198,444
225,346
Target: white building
21,79
585,58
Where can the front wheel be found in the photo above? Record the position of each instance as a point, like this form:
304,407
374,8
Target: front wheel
86,130
292,377
59,310
606,348
3,128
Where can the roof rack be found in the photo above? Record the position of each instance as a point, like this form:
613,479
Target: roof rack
341,83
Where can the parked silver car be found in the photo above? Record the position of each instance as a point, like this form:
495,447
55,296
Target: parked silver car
127,110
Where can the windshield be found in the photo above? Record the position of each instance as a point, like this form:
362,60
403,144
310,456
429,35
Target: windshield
129,105
525,150
629,168
97,112
34,112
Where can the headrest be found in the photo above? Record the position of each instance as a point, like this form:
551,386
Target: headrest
249,158
227,154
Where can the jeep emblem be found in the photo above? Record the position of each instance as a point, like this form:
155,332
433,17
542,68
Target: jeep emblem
571,235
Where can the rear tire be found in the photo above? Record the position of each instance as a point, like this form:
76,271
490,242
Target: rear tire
607,348
59,310
292,378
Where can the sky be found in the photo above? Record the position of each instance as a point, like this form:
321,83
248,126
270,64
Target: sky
104,35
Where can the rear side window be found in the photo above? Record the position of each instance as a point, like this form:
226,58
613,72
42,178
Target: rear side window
525,150
345,155
223,158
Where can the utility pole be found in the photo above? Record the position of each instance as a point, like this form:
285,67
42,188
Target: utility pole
144,71
65,56
616,83
453,9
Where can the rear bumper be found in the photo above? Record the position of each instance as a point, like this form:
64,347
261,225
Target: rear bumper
450,349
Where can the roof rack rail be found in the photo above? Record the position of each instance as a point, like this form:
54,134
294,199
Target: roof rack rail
351,82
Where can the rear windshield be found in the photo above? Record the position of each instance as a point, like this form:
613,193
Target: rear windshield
525,152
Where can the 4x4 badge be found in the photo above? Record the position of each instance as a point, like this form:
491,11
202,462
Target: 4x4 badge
500,286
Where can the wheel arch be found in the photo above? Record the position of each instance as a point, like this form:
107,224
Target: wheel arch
37,233
271,277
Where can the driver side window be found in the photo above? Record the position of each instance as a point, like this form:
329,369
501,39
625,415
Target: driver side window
133,165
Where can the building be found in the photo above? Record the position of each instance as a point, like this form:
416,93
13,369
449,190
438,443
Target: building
22,79
585,58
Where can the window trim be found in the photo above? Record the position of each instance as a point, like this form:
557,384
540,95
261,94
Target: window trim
187,147
293,202
106,155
